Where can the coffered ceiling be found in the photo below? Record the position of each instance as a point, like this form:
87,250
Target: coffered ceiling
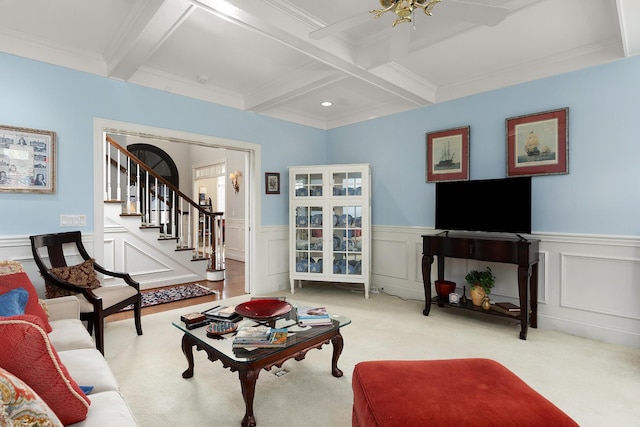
259,56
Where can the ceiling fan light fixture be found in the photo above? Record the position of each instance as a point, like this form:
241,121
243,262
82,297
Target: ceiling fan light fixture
404,9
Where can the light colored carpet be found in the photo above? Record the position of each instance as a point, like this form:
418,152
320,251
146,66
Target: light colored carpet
597,384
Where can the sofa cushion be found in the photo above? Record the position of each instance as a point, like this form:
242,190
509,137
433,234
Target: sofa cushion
10,267
12,303
82,275
27,353
21,280
69,334
21,406
108,409
88,367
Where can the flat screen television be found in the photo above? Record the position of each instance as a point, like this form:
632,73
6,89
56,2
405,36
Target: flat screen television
492,205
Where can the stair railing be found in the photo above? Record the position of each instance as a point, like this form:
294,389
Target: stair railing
161,205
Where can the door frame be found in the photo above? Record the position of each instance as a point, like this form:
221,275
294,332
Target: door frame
252,197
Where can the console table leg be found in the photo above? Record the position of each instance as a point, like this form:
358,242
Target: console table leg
523,291
248,380
533,295
338,343
427,260
187,350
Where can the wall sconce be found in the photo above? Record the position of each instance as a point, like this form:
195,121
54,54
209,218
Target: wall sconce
235,180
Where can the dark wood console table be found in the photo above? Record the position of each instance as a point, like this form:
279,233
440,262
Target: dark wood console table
522,252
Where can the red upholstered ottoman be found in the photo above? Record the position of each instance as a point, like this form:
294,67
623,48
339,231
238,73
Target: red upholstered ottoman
457,392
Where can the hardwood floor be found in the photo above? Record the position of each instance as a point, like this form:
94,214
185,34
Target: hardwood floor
231,286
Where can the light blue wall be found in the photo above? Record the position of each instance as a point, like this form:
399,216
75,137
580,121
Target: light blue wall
42,96
600,195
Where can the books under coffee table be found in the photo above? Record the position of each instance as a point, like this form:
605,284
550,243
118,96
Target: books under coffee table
248,362
260,337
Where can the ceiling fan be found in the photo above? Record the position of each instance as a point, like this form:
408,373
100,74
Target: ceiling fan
455,10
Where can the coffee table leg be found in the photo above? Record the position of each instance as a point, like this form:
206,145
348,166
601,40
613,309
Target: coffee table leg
248,380
338,343
187,349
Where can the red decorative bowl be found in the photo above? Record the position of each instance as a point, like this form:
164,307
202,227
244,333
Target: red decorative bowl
444,288
263,309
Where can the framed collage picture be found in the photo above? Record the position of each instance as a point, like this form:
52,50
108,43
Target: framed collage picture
27,160
448,155
272,183
538,144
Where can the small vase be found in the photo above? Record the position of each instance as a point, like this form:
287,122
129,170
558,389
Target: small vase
486,303
477,294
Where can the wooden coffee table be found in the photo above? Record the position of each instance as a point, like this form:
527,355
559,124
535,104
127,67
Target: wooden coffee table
250,363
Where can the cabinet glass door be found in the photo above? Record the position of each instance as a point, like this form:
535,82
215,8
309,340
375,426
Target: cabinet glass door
346,183
308,185
347,240
308,239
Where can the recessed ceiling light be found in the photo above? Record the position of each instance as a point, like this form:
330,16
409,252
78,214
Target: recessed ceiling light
326,103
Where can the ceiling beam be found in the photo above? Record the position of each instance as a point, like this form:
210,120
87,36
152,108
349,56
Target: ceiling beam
302,43
629,17
290,86
152,26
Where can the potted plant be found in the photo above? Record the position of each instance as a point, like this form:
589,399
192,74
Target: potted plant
480,283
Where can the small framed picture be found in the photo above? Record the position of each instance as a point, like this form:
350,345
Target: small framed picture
448,155
272,182
538,144
27,160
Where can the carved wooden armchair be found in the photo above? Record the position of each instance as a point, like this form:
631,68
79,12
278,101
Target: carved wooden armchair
96,301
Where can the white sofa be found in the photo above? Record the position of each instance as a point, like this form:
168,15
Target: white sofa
86,365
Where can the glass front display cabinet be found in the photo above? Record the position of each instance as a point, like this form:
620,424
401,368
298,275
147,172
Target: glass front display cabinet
330,224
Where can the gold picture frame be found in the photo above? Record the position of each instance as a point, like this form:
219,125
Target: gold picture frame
27,160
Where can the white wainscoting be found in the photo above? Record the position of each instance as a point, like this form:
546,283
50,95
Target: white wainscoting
588,285
234,239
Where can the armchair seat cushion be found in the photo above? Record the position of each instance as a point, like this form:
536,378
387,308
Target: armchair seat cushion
110,295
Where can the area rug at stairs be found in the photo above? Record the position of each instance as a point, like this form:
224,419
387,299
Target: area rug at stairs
171,294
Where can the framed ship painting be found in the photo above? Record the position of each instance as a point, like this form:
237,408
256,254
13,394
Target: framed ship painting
448,155
538,144
27,160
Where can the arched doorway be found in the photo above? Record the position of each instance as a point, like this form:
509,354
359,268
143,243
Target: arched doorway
162,164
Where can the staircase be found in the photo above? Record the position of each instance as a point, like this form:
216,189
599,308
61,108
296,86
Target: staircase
158,234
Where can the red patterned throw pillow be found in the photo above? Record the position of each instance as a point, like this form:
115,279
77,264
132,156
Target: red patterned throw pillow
27,353
81,274
21,280
21,406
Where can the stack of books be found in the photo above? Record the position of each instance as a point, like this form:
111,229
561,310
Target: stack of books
222,312
260,336
507,307
194,320
313,316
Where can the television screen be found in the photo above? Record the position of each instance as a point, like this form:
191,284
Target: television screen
493,205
